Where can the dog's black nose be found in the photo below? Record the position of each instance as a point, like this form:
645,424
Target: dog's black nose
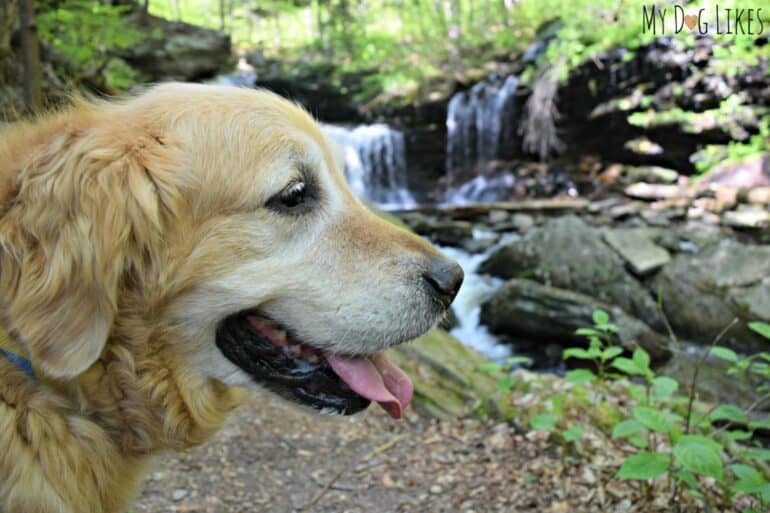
444,278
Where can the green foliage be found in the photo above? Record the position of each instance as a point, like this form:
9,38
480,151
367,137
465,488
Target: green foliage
88,34
505,379
734,151
644,465
665,432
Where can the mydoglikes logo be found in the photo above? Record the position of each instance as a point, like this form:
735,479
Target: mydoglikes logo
674,19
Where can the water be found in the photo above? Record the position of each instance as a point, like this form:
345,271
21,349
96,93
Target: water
478,122
480,189
476,289
375,163
244,75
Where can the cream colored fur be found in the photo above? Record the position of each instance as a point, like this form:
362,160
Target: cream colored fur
127,231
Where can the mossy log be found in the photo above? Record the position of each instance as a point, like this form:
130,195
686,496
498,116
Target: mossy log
447,376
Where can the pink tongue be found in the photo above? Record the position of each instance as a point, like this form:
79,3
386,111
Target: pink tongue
376,379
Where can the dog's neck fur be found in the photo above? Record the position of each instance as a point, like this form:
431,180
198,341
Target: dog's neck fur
140,401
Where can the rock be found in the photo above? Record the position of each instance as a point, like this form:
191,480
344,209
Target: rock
522,222
569,254
754,171
625,210
447,378
498,216
643,146
652,174
700,213
652,191
702,293
747,218
446,233
179,494
478,245
636,247
755,196
175,50
525,309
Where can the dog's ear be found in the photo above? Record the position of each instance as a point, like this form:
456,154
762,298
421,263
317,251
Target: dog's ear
91,204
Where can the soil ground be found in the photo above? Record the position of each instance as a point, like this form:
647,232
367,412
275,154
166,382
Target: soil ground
272,457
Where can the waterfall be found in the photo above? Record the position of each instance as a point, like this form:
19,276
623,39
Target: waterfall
481,189
375,164
478,121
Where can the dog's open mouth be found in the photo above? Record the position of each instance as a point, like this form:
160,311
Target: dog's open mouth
298,371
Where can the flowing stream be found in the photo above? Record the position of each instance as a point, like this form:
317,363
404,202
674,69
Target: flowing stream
475,290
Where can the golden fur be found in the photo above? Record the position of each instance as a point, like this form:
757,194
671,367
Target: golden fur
127,230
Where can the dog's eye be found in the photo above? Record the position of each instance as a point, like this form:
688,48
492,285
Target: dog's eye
292,199
293,195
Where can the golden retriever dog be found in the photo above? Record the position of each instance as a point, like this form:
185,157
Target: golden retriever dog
160,255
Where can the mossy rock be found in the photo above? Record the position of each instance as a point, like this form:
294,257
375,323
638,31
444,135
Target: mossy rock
447,376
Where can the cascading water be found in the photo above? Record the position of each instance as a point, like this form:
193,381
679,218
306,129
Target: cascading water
375,164
475,290
478,122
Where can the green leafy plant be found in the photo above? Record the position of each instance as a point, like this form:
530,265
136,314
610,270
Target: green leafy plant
667,436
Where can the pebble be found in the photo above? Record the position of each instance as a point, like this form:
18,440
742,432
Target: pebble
179,494
436,489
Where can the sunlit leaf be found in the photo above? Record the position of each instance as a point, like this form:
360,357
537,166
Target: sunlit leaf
663,386
543,422
490,367
728,412
641,358
626,428
762,328
644,465
611,352
576,352
600,317
656,420
724,353
572,434
580,376
628,366
698,458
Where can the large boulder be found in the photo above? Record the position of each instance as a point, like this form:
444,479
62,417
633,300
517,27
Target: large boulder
569,254
702,293
176,50
524,309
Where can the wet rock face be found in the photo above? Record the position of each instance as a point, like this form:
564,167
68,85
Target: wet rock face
523,309
752,172
569,254
181,52
704,292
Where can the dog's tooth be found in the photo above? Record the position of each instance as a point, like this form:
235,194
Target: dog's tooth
312,358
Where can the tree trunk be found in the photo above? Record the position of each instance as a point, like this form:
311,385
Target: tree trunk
8,17
33,75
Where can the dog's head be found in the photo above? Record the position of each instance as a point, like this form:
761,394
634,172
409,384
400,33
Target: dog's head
220,216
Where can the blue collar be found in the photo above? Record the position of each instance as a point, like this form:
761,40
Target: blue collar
21,362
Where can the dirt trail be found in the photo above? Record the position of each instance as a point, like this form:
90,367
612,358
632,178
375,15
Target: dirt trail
274,458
